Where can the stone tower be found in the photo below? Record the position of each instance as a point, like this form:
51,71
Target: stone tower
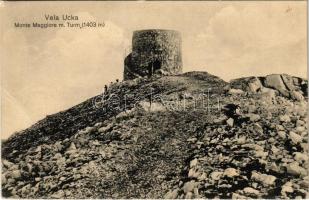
154,51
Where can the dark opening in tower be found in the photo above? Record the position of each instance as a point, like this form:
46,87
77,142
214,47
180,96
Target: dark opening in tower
153,67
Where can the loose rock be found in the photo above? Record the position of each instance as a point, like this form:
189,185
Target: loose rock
230,172
263,178
230,122
295,137
294,169
251,191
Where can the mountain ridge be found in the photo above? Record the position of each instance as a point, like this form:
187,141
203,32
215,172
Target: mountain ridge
167,141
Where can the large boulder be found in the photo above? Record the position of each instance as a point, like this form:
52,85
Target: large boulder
275,81
249,84
288,86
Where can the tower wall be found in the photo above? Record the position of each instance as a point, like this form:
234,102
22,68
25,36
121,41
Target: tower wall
154,51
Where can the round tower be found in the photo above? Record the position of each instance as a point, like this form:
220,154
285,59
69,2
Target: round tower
154,51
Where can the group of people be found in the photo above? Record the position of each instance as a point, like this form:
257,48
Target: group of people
111,83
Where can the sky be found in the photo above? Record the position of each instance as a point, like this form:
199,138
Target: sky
44,71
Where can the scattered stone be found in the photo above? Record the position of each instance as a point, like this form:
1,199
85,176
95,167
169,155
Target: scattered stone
230,172
38,149
72,147
189,195
99,124
59,146
220,120
189,186
238,196
261,154
275,150
305,147
300,129
195,192
26,189
10,181
296,95
299,157
122,114
154,106
193,173
37,179
16,174
96,143
230,122
268,94
105,128
216,175
193,163
279,127
284,118
254,117
172,194
287,188
263,178
294,169
305,182
192,140
235,91
251,191
202,177
299,123
255,84
282,134
7,163
295,137
58,195
88,129
275,168
304,134
258,128
271,140
3,179
241,140
255,185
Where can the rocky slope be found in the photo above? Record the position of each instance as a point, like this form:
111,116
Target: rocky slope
187,136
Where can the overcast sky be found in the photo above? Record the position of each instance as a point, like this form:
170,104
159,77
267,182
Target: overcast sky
47,70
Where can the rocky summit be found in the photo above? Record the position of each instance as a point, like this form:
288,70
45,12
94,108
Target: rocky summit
187,136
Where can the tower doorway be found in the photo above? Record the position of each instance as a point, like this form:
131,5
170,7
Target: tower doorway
153,67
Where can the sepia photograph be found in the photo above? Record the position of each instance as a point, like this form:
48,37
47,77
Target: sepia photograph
154,100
